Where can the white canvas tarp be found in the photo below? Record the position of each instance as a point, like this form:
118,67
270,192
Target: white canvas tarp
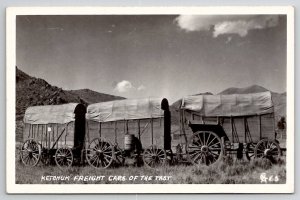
229,105
60,114
128,109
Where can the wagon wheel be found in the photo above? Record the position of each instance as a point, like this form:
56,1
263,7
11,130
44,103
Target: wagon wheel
154,157
100,153
205,148
119,156
64,157
267,149
31,152
250,151
169,157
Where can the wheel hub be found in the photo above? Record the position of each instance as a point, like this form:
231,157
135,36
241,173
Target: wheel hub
204,148
267,152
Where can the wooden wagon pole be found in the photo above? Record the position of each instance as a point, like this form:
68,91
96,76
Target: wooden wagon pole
231,123
46,135
100,129
139,129
88,131
259,126
67,133
37,131
151,130
42,135
53,132
115,131
124,127
30,134
33,131
56,134
245,129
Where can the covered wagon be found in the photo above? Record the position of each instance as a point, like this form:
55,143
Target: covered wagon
53,131
128,128
224,124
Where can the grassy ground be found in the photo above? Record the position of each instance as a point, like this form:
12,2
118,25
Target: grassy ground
227,171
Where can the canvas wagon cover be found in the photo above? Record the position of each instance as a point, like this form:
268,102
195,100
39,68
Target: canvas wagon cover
229,105
60,114
128,109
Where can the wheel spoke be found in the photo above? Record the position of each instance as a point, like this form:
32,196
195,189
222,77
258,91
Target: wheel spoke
200,139
196,157
211,141
208,142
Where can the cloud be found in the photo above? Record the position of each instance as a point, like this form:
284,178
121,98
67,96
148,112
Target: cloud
229,24
124,86
141,87
127,86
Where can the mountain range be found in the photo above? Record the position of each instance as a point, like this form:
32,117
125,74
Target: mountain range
31,91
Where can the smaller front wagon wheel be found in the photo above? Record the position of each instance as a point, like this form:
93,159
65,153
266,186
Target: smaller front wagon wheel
64,157
154,156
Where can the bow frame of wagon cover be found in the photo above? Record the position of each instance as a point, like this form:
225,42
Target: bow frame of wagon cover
241,124
135,129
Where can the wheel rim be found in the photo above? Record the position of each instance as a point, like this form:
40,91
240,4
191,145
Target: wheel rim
119,156
267,149
154,157
99,153
250,151
205,148
64,157
30,153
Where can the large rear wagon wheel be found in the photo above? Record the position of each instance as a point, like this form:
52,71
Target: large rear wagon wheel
100,153
154,157
31,152
64,157
205,148
267,149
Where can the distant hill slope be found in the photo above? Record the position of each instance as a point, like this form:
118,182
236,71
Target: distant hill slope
245,90
31,91
90,96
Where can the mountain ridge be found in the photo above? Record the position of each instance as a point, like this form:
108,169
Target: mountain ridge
32,91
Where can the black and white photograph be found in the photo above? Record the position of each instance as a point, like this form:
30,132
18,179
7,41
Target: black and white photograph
160,100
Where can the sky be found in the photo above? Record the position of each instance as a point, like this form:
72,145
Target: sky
137,56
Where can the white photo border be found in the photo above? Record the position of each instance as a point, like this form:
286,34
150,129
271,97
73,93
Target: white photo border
12,187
